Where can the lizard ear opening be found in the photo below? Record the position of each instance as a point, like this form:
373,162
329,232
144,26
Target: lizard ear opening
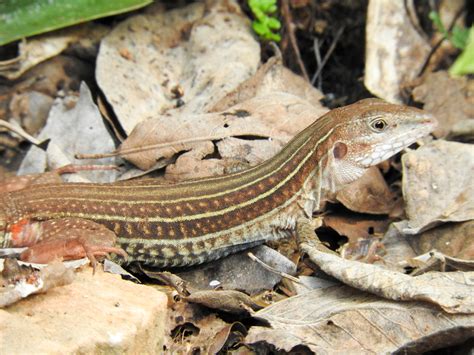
340,150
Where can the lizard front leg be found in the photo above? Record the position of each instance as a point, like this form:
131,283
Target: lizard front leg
64,239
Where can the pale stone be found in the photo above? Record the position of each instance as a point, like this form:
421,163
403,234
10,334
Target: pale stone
95,314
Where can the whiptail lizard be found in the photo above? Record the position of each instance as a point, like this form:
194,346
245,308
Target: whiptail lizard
200,220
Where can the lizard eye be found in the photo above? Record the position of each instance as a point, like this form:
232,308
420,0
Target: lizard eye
378,125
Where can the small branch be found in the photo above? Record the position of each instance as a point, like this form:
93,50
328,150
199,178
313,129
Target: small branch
328,54
286,13
123,152
273,270
317,55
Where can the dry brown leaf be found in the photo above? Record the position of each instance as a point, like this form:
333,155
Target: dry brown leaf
190,326
452,239
437,185
249,152
230,301
450,100
279,116
356,227
227,336
451,291
436,261
270,77
364,235
397,250
152,63
369,194
342,320
39,48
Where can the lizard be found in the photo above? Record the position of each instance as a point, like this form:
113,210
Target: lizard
195,221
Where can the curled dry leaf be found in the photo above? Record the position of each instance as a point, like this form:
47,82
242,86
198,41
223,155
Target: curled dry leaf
278,116
450,100
339,319
227,336
158,60
451,291
249,152
355,227
364,235
271,77
451,239
368,194
437,185
39,48
436,261
387,68
230,301
190,326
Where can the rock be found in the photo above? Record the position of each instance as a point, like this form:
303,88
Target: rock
95,314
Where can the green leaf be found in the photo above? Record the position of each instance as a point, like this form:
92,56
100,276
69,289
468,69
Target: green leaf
464,64
260,28
434,16
459,37
273,23
274,37
23,18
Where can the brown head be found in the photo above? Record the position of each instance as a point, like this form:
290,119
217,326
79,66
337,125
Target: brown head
371,131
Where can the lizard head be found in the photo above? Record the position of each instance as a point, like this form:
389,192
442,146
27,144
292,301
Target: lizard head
379,130
371,131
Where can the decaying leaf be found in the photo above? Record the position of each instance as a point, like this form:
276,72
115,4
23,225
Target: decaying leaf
437,185
227,337
451,239
159,60
271,77
356,227
278,116
191,326
37,49
339,319
436,261
364,235
80,129
230,301
368,194
451,291
451,100
18,282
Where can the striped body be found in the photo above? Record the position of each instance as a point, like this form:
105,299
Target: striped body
196,221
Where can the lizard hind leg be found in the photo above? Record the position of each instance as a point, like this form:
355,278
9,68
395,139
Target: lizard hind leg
70,239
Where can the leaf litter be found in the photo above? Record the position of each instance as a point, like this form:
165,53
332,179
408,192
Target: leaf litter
206,100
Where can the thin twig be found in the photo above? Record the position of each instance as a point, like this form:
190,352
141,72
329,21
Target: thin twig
286,13
271,269
328,54
123,152
317,55
438,44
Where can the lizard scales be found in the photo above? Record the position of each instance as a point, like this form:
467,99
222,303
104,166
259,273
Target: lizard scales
200,220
